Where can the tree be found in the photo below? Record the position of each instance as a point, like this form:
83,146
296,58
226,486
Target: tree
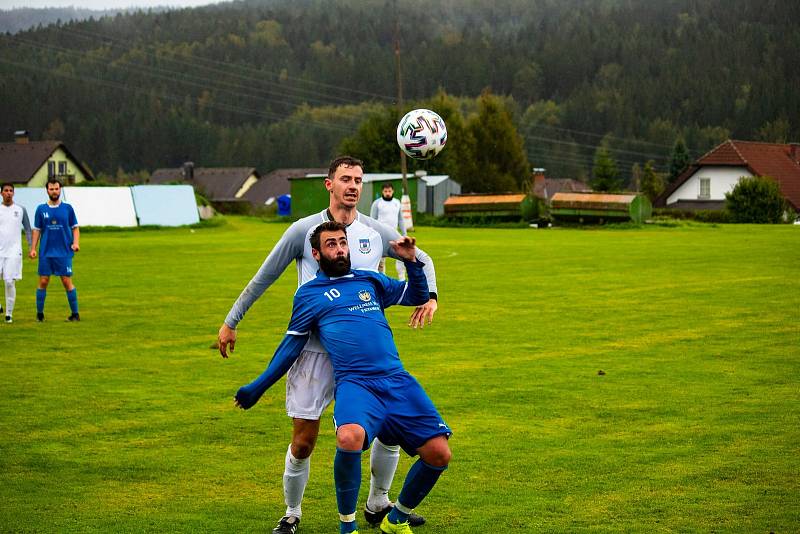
652,181
605,176
756,199
500,154
679,160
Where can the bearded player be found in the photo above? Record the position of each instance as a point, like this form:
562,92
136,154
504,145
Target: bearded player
309,383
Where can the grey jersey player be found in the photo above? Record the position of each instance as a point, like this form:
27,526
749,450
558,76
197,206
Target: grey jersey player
309,383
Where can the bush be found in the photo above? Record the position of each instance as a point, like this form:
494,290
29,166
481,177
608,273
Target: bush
756,199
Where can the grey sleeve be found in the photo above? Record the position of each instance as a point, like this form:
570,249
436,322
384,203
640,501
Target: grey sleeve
26,224
373,211
289,247
390,234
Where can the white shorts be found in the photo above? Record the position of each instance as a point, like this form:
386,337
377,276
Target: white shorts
11,268
309,386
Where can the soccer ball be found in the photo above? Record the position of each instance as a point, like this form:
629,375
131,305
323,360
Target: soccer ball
421,134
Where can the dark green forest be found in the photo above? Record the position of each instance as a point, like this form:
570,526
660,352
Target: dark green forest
279,83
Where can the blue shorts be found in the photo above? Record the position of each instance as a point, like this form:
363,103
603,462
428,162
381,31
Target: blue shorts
58,266
394,409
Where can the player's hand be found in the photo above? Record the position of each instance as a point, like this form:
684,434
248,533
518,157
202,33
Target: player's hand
75,247
227,336
32,254
405,248
423,314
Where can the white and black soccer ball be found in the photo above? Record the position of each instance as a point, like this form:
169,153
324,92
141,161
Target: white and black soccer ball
421,134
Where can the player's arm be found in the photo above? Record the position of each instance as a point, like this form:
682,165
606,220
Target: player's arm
424,313
373,211
26,225
288,248
285,355
412,292
76,231
37,232
302,321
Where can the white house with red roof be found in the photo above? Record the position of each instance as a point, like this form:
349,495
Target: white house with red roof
704,184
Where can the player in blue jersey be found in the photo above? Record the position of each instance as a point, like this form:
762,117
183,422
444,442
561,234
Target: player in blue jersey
375,395
309,383
57,227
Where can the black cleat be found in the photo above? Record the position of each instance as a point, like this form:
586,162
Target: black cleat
8,318
287,525
74,318
375,518
40,317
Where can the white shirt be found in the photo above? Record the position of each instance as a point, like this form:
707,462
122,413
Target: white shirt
13,219
389,212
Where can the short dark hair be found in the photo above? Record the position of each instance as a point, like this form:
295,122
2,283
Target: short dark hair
53,181
387,184
6,184
350,161
327,226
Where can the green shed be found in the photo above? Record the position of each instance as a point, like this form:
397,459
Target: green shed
600,207
310,196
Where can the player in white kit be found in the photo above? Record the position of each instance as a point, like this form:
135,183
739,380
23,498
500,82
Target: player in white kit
309,383
389,211
13,219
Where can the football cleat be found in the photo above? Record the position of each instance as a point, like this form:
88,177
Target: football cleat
74,318
8,319
40,317
287,525
388,527
375,518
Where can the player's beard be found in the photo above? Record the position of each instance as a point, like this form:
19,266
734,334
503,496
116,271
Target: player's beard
334,268
53,196
387,199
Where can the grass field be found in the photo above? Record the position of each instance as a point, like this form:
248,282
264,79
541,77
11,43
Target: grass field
124,422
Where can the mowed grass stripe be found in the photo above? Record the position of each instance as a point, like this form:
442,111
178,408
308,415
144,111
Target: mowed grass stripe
124,422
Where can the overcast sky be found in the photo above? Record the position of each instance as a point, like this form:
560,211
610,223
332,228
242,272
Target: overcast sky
102,4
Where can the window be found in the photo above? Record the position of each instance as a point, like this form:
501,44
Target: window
51,169
62,168
705,188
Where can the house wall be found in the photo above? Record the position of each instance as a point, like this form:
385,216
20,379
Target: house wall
723,179
40,177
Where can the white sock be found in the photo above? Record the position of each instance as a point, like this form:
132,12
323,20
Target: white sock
11,297
383,463
295,478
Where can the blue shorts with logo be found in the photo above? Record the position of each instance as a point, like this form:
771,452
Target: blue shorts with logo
394,409
56,266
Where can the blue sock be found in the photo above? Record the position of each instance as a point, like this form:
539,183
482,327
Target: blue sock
419,482
40,295
72,298
347,478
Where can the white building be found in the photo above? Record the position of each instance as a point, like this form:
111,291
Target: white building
704,184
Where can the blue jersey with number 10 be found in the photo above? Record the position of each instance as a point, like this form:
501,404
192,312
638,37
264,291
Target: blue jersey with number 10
347,313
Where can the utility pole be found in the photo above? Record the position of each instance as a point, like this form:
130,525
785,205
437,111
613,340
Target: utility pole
405,199
403,166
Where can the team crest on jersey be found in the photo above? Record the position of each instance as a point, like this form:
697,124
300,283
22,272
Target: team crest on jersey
364,295
364,246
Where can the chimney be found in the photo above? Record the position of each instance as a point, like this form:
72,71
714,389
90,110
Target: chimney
21,137
539,183
188,171
794,152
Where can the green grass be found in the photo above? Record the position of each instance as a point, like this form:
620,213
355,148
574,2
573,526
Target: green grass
124,422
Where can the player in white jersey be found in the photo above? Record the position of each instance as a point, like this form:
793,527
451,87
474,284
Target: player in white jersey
389,211
13,219
309,383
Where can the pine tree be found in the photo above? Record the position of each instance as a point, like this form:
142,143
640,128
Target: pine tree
652,181
605,176
679,161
